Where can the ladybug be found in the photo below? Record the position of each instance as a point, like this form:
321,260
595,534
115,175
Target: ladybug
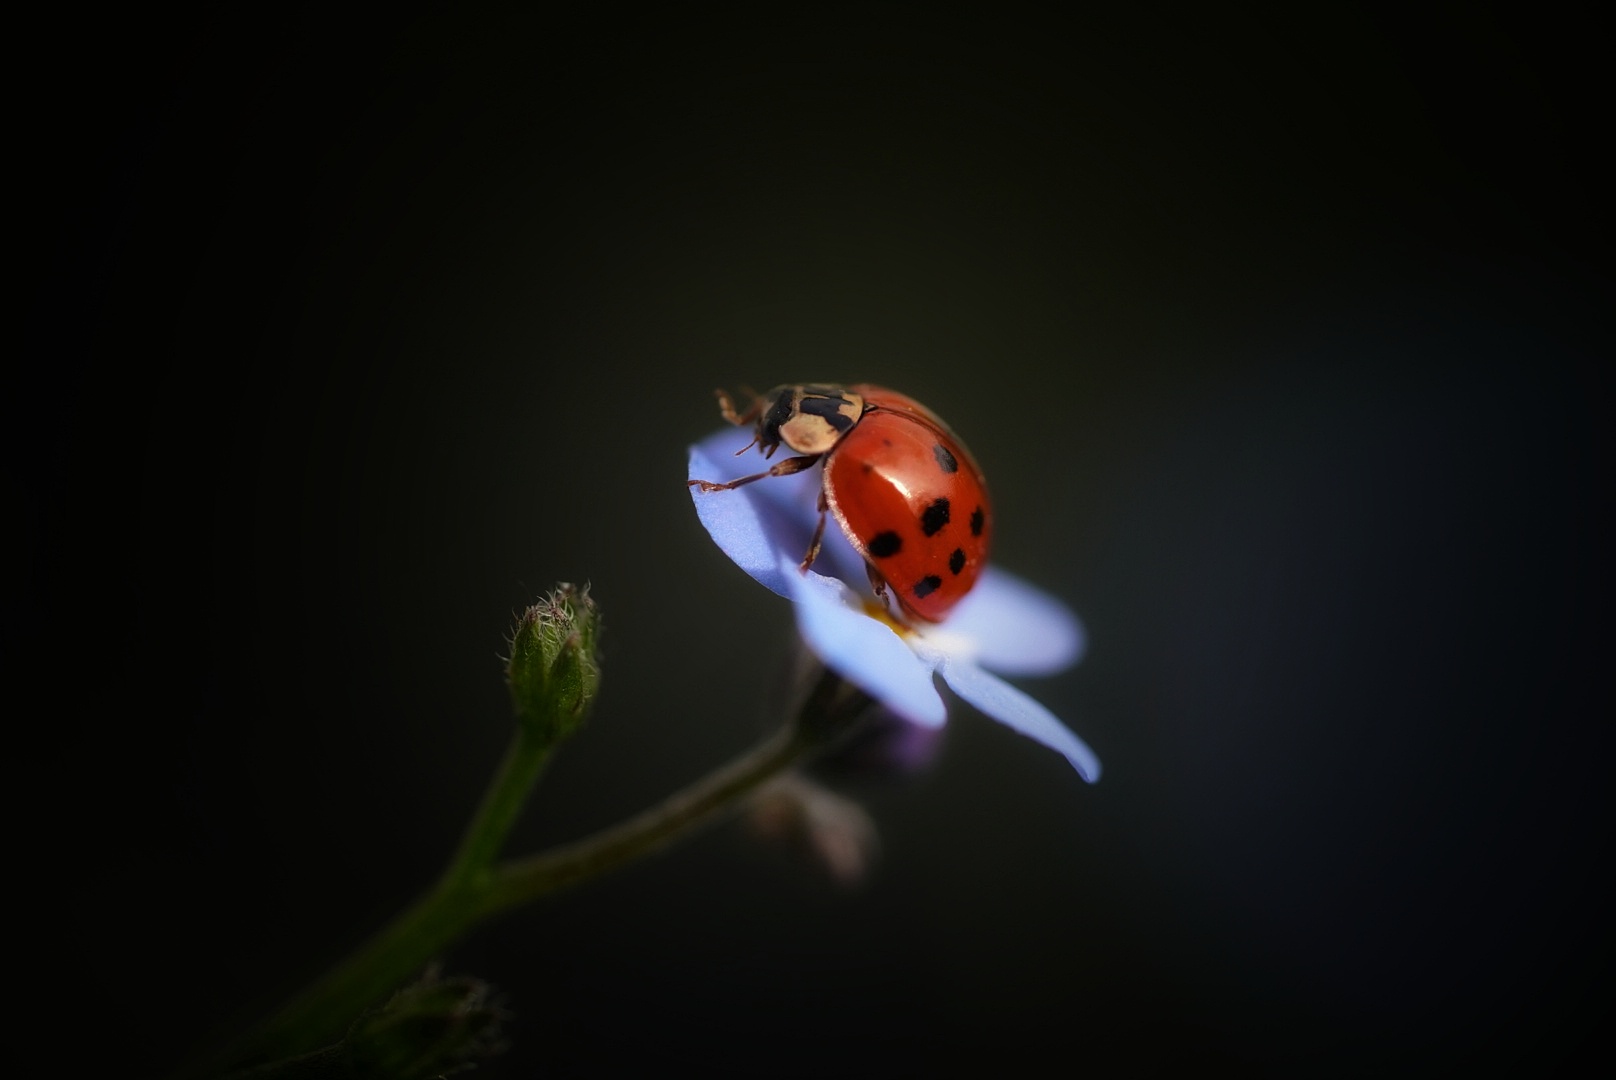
901,485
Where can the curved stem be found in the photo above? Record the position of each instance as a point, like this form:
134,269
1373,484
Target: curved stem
323,1012
519,881
472,890
501,806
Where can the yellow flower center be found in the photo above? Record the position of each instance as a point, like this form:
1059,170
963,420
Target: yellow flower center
879,612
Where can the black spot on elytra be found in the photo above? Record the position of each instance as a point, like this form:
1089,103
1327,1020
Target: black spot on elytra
956,561
884,544
978,519
934,517
828,409
945,460
927,585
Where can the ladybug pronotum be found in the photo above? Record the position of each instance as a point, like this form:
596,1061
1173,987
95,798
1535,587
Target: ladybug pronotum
901,485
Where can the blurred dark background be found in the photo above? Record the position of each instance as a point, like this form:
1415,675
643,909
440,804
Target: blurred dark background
1286,344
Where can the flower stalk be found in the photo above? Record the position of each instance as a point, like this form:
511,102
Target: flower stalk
475,887
830,711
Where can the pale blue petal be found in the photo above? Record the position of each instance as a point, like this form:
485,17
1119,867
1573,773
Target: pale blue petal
767,520
750,525
1016,629
1017,711
864,651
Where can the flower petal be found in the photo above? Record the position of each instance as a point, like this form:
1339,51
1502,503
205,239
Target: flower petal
756,524
864,651
1017,711
1015,628
747,525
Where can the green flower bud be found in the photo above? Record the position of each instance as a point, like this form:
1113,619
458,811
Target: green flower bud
553,672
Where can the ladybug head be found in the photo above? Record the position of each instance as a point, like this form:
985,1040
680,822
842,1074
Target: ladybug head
808,419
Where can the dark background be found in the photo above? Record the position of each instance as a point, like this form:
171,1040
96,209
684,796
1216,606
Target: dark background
1285,343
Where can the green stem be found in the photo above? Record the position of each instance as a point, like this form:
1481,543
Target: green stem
486,835
323,1012
472,888
519,881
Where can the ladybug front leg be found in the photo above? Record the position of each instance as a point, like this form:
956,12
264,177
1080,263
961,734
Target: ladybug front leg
726,407
780,468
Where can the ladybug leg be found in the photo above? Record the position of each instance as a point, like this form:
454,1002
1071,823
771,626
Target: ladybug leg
726,408
878,585
819,534
780,468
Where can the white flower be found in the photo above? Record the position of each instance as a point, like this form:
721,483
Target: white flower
1004,625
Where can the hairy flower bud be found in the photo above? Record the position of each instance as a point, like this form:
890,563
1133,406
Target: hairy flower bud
554,672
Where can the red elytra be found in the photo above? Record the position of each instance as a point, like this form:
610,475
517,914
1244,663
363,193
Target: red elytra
904,489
